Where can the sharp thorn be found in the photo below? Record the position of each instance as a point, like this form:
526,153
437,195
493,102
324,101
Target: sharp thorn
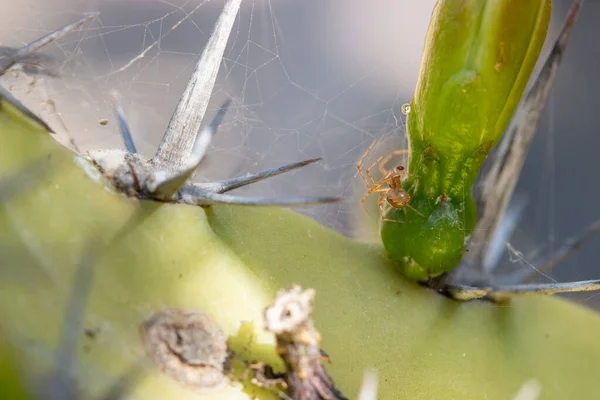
504,231
118,389
23,179
537,96
178,141
570,246
465,292
7,62
503,293
124,128
234,183
501,181
166,184
206,135
196,196
12,100
60,385
218,118
32,64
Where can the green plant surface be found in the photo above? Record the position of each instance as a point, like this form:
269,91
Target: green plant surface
11,381
230,261
477,60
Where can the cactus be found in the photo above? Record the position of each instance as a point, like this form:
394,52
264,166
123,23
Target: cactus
85,263
478,58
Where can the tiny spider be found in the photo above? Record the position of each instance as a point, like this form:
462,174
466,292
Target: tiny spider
393,193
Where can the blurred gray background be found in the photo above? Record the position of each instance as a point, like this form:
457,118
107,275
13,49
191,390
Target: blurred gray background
309,78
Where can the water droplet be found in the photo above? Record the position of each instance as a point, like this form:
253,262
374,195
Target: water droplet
405,108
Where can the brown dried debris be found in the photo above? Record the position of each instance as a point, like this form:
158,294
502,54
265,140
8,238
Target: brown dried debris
190,347
298,344
264,376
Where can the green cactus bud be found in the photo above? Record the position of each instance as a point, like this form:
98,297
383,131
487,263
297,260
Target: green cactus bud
478,58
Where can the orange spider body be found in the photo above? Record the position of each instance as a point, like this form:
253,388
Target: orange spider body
389,187
396,196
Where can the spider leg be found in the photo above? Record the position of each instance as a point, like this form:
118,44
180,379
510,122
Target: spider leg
415,210
380,189
368,171
360,162
389,157
202,197
377,186
364,178
362,202
376,189
234,183
381,203
366,153
393,220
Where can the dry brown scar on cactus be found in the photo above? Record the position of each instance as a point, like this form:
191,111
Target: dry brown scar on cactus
189,346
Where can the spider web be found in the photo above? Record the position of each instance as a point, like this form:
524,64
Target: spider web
307,79
300,87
